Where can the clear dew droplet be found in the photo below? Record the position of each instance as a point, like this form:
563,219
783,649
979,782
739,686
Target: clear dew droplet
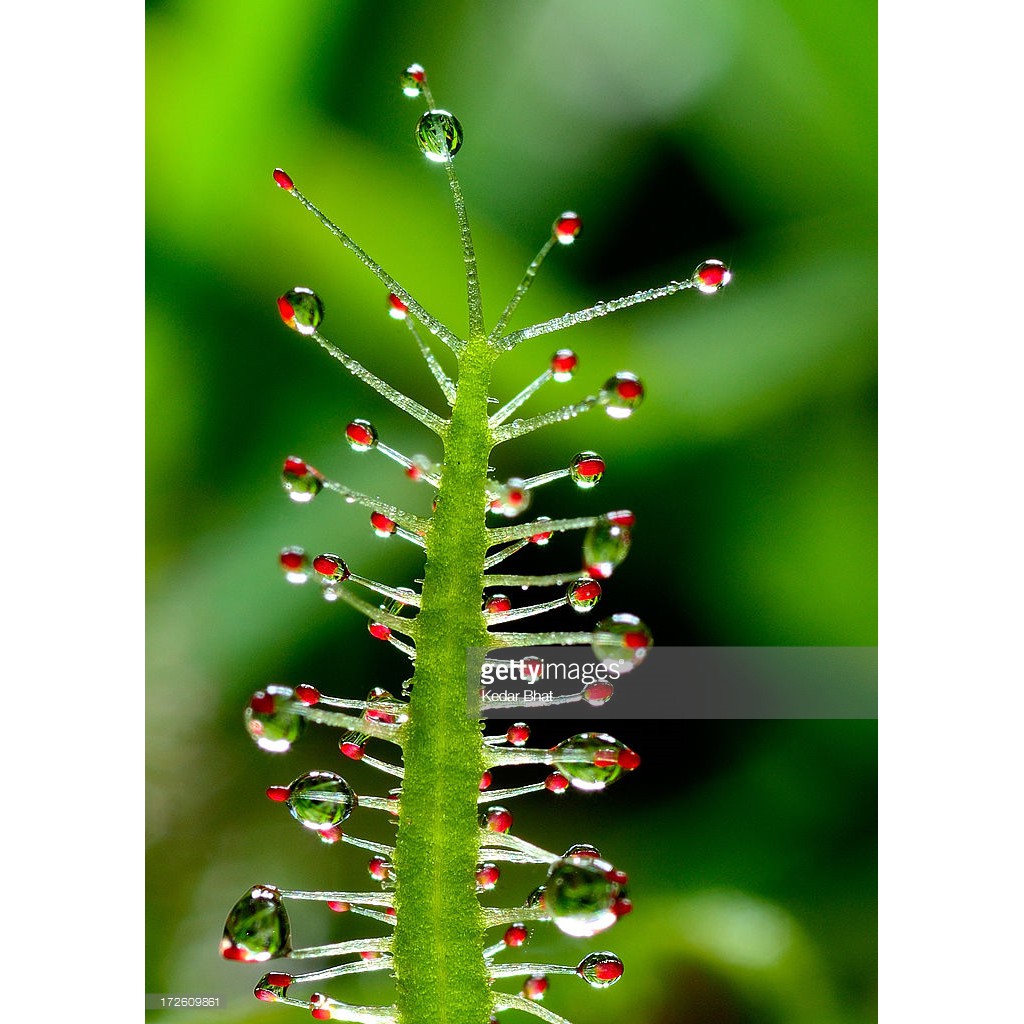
411,80
590,760
563,365
580,895
605,546
439,135
361,435
257,927
271,721
295,564
583,594
567,227
320,800
621,395
301,309
624,641
711,276
586,470
302,482
600,970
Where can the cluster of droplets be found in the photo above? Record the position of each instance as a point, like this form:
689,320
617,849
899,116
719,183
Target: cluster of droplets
582,894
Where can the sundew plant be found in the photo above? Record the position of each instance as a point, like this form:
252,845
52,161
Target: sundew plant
454,955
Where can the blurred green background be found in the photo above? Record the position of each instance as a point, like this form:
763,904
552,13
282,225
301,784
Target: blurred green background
743,131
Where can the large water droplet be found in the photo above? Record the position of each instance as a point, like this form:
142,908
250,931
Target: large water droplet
621,395
270,720
627,642
302,482
600,970
257,927
580,895
591,760
320,800
711,276
439,135
301,310
605,545
586,469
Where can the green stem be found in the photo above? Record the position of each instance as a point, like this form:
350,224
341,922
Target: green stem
438,941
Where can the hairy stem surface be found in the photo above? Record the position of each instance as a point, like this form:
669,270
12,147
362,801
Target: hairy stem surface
438,940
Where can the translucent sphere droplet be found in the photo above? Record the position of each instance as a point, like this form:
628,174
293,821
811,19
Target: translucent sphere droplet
332,567
301,310
302,482
257,927
295,564
272,987
621,395
382,525
567,227
600,970
361,435
590,760
580,895
563,365
624,641
605,546
271,721
320,800
439,135
411,80
711,276
583,594
586,469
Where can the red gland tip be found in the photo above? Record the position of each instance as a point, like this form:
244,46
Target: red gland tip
556,783
396,307
331,835
278,793
621,518
381,523
488,876
320,1013
292,559
279,980
295,466
629,389
307,694
563,363
628,760
634,640
518,734
608,971
516,935
285,308
379,631
590,467
354,751
262,703
622,906
283,178
339,906
485,780
567,227
499,820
